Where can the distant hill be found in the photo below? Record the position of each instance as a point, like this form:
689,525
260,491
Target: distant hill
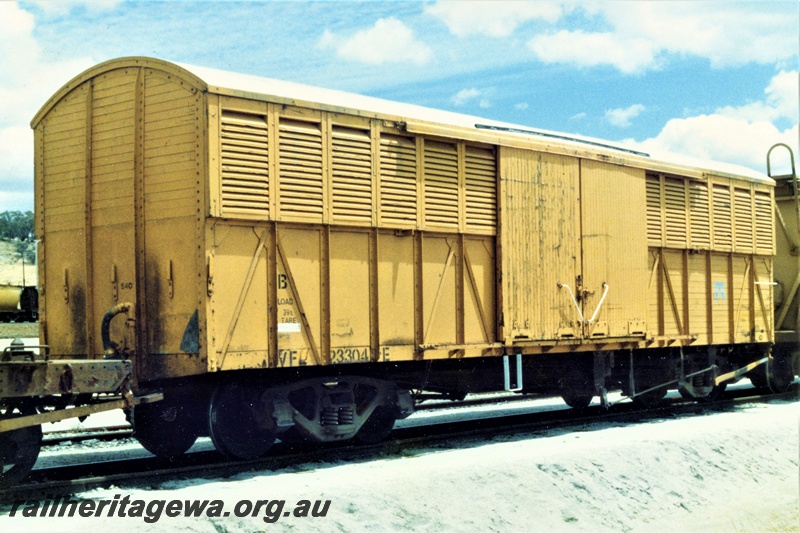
11,268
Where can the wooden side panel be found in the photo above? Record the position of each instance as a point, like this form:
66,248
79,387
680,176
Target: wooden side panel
539,243
742,297
673,274
113,191
396,268
62,157
239,326
479,291
699,295
440,305
350,295
721,298
613,207
171,209
300,294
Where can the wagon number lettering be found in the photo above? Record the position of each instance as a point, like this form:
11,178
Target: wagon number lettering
126,285
349,355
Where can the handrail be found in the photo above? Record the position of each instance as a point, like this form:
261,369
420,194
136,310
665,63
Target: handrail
574,301
600,304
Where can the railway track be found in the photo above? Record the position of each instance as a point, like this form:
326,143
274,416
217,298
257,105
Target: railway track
107,433
63,480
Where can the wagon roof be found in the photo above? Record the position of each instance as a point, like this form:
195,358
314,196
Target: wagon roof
415,118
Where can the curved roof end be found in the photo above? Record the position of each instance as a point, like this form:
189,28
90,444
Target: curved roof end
113,64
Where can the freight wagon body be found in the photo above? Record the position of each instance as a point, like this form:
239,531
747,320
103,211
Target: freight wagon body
345,250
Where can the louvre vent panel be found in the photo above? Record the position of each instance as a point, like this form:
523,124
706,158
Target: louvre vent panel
441,185
655,233
398,174
245,164
675,212
722,217
743,219
764,223
352,175
700,218
301,181
481,189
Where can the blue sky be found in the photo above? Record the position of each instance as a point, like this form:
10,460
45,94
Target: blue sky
717,80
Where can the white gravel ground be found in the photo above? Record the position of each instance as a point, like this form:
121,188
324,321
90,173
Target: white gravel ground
733,471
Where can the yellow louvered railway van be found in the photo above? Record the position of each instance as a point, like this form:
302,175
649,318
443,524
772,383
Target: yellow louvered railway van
257,235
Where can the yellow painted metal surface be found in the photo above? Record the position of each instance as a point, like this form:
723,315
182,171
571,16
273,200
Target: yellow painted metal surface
254,233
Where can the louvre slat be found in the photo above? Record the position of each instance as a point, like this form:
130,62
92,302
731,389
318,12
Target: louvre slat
722,216
441,184
699,216
398,180
743,220
244,161
352,175
300,169
675,211
655,235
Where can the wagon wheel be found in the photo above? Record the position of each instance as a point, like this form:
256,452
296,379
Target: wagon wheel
377,427
577,399
649,371
240,421
19,450
165,428
777,375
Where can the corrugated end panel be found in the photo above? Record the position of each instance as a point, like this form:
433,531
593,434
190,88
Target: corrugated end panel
722,218
301,183
764,223
655,234
398,181
743,217
675,203
441,185
481,189
352,175
245,164
699,216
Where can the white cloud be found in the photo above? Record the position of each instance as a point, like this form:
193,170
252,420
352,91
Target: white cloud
782,101
64,7
727,33
463,96
621,117
16,147
643,34
731,134
522,106
628,54
495,19
466,96
388,41
26,83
